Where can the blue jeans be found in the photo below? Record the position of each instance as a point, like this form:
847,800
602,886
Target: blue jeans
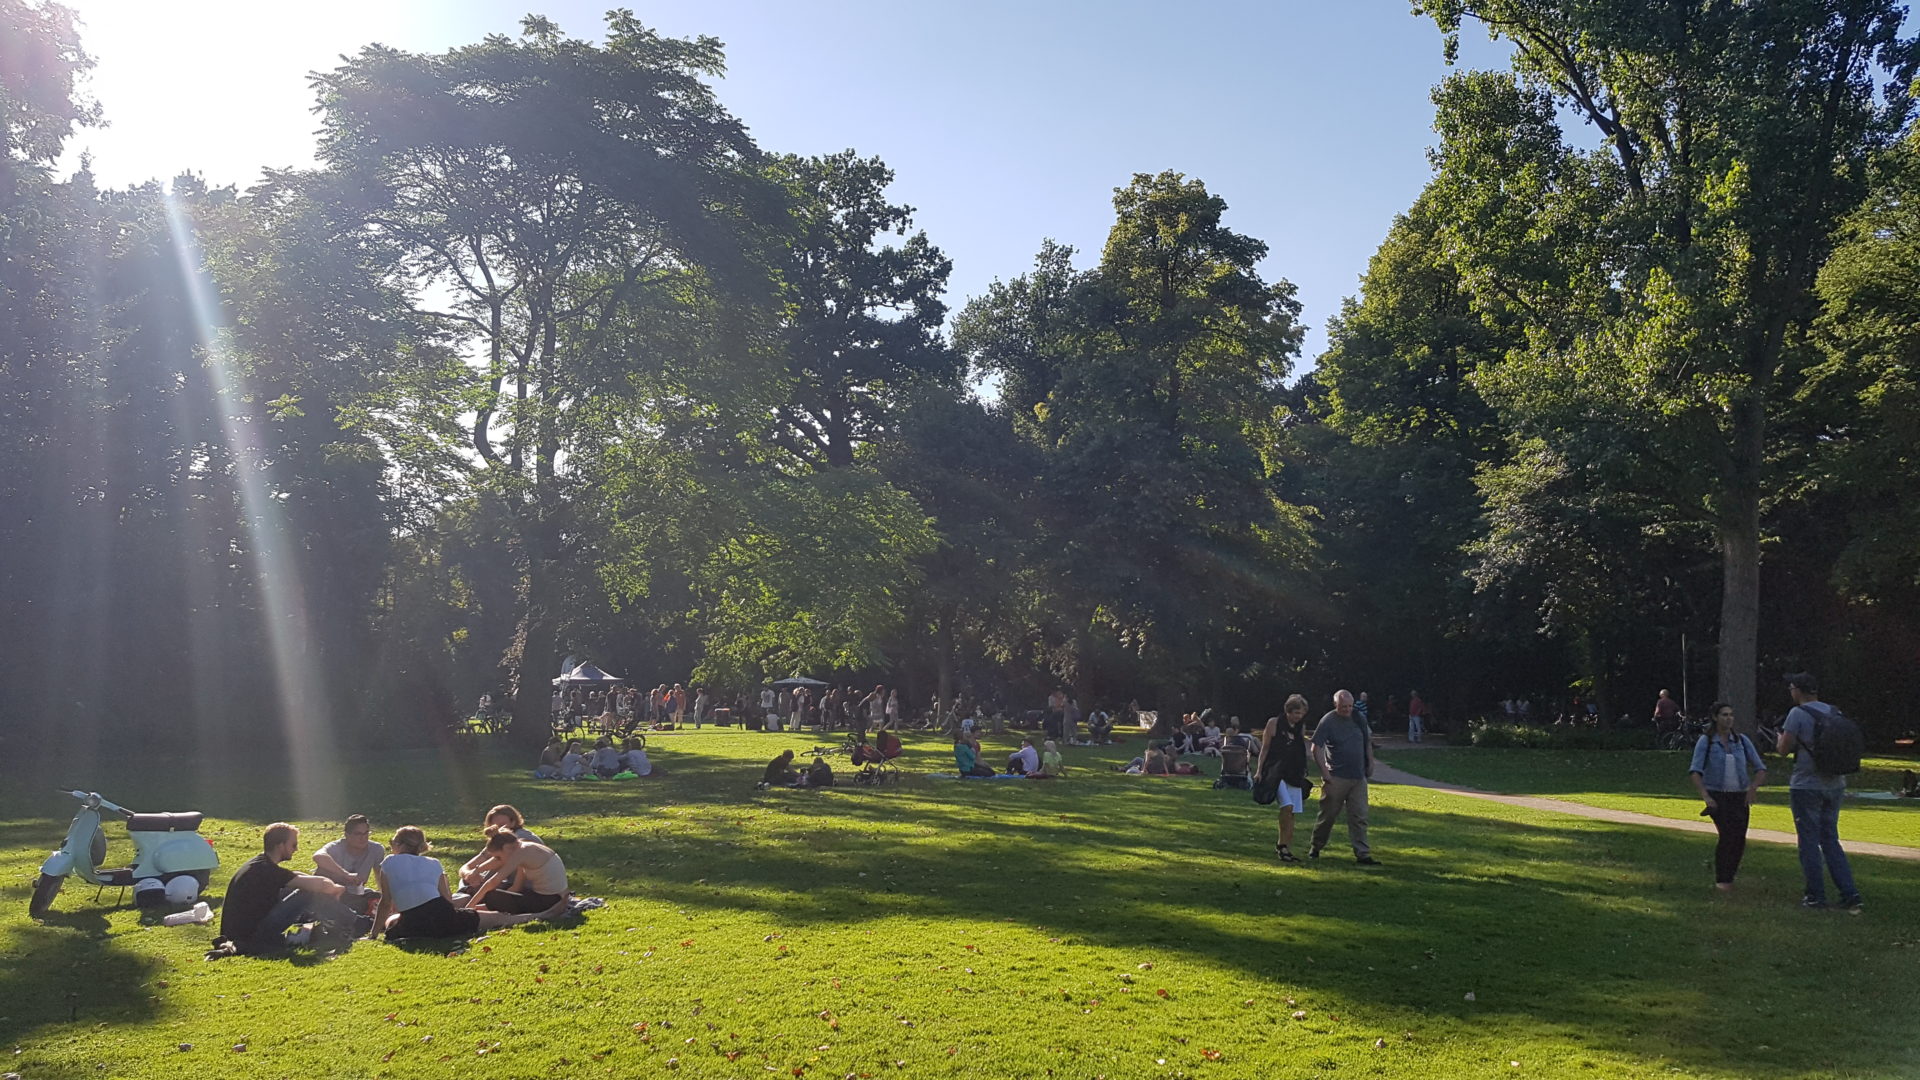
1816,821
299,906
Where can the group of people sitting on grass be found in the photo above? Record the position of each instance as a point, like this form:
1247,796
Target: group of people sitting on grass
563,759
780,772
360,888
1199,733
1042,764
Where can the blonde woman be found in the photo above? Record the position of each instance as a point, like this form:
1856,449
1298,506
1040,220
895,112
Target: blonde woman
1285,741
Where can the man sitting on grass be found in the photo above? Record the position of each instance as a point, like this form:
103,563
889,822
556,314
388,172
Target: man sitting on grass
265,898
350,860
1024,761
780,771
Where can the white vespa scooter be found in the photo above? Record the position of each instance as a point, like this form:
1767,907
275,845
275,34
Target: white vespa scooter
165,846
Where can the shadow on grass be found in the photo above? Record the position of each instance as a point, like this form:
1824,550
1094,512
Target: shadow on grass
1573,932
1602,935
67,971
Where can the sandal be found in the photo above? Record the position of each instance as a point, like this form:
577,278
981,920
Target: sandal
1286,854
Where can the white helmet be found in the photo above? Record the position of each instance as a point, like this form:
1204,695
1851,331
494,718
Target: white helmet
183,889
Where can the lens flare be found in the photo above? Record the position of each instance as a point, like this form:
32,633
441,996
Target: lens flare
310,746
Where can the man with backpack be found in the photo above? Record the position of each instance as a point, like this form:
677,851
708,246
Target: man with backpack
1826,747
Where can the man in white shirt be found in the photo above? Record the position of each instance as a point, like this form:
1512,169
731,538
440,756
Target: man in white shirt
1025,761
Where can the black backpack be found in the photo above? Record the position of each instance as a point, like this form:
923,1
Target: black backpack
1837,744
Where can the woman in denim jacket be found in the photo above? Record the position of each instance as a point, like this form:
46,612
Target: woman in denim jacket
1727,770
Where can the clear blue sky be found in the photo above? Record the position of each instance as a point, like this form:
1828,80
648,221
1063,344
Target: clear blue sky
1005,122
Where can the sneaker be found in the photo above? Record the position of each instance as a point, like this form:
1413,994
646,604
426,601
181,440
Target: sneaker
300,936
1812,904
1853,904
1366,860
1313,853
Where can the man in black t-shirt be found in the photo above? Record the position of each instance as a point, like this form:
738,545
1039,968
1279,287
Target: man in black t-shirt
265,897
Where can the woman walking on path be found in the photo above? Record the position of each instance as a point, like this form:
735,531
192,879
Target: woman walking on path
1286,740
1727,770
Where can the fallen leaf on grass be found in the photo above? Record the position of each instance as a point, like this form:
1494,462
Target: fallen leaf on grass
1300,1015
1211,1055
1162,992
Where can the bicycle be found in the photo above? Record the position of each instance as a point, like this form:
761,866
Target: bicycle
1685,735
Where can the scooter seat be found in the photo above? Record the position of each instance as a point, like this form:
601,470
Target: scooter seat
186,822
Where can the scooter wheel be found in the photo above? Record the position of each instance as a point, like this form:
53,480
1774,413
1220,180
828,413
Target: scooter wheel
43,893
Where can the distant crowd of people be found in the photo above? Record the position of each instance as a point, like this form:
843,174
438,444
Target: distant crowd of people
1283,761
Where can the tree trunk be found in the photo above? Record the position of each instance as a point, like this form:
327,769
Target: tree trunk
1740,613
534,668
1739,652
943,658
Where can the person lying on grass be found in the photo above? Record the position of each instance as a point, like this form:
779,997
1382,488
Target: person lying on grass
475,871
415,901
527,877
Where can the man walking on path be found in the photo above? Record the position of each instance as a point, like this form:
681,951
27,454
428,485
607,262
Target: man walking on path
1416,717
1343,748
1815,797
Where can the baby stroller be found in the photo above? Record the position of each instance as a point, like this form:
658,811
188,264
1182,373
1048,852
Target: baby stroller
1236,768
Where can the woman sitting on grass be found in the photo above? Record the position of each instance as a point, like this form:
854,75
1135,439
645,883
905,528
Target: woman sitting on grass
477,869
966,756
527,878
1050,764
414,901
573,764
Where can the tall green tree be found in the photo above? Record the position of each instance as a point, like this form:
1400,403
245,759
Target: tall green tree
1666,278
863,316
563,196
1163,370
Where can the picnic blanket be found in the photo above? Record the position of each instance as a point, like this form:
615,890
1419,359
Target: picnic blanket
580,905
957,776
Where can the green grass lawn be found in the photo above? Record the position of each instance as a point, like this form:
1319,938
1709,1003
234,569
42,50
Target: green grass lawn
1656,782
1101,926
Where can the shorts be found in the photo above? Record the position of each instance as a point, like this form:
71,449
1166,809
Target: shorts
436,919
1291,796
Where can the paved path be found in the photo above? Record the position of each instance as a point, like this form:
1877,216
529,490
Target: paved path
1387,774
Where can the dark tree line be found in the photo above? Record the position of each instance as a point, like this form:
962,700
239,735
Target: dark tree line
547,356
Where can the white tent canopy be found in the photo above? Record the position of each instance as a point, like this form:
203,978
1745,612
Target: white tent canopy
587,675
